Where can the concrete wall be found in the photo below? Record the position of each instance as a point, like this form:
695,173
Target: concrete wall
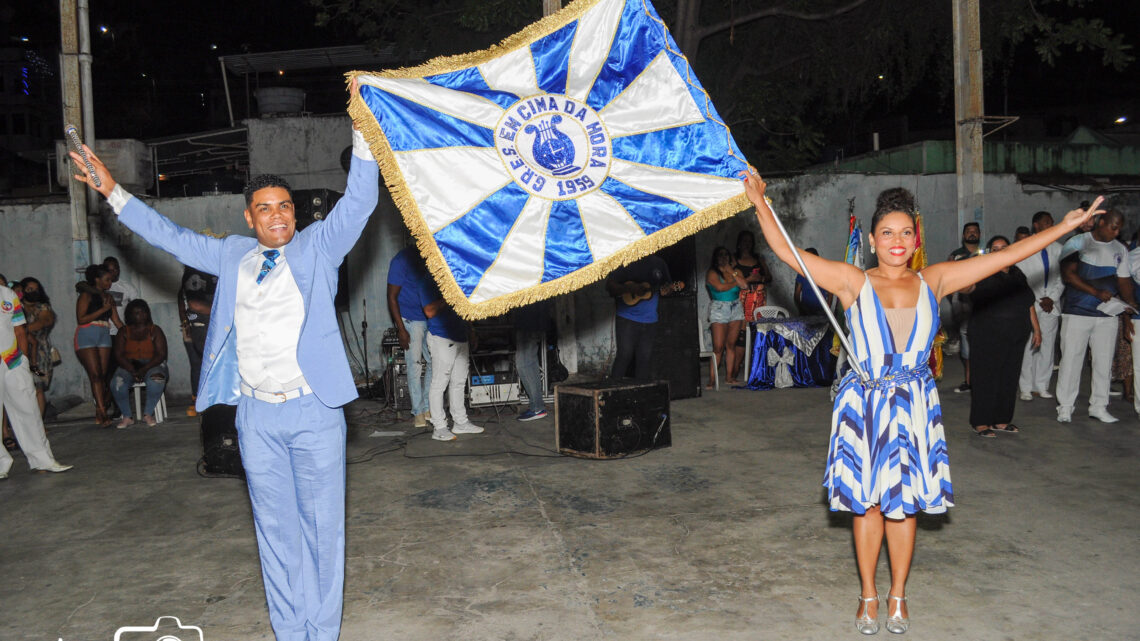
35,240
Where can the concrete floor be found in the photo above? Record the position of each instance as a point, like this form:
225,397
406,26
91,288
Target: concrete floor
723,536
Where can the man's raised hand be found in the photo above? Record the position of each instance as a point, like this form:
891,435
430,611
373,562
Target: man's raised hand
107,184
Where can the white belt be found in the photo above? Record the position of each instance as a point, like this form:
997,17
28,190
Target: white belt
275,397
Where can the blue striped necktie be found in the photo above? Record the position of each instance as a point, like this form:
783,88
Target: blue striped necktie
270,262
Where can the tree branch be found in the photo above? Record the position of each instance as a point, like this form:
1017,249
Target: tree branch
705,32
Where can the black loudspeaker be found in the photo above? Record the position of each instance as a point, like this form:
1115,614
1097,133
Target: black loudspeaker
313,204
220,451
676,348
310,206
612,418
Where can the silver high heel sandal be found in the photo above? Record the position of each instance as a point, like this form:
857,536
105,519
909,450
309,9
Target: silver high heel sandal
897,623
865,624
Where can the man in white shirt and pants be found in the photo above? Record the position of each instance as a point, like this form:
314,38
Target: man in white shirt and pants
1043,273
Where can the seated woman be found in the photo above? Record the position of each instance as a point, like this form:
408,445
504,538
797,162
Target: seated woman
140,353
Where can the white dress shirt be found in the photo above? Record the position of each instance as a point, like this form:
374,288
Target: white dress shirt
1034,270
267,324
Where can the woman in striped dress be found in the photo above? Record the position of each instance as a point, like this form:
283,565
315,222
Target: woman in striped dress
887,458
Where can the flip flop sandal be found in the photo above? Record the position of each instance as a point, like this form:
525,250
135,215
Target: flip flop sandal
986,433
1011,428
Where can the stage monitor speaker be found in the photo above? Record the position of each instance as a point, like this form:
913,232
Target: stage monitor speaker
220,451
310,206
676,348
612,418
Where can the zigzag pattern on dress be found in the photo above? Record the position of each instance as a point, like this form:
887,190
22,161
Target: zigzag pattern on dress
887,445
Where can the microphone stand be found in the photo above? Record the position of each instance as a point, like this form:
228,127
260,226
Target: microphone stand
364,339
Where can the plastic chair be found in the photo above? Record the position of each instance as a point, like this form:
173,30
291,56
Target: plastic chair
159,410
769,311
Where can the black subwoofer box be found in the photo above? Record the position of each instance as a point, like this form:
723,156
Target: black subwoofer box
220,451
611,418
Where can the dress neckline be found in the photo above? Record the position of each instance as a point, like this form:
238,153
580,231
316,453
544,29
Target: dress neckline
881,312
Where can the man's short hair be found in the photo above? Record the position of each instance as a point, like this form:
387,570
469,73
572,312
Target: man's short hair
1039,215
1022,230
969,225
110,259
261,182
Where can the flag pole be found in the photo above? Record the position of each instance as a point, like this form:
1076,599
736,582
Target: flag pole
853,362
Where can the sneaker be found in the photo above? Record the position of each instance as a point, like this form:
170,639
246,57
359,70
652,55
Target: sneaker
964,387
125,422
1103,416
1044,394
4,472
1115,393
1064,415
149,420
1025,396
466,428
419,420
531,415
442,434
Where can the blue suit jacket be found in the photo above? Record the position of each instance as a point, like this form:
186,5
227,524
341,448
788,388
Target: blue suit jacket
314,255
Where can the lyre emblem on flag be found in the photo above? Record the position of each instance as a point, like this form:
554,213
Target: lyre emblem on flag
528,170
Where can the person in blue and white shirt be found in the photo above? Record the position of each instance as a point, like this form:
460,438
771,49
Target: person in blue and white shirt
1095,268
18,392
1043,273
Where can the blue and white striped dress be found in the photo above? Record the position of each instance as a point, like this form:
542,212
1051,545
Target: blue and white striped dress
887,445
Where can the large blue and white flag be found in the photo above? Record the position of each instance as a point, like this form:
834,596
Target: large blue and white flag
528,170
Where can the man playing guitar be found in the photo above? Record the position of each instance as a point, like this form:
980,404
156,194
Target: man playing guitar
636,288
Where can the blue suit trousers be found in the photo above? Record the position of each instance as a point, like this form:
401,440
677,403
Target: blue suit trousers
294,459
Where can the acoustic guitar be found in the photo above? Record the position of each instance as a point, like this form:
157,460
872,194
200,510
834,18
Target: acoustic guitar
632,299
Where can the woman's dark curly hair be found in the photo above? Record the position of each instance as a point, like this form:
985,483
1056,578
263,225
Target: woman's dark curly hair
890,201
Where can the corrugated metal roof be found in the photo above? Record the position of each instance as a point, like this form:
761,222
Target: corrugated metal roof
350,56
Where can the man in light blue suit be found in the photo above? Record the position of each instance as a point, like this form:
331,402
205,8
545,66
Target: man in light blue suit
274,349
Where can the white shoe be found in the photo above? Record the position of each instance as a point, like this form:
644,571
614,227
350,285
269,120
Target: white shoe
125,422
4,474
442,434
1044,394
466,428
1025,396
1103,416
1064,415
55,466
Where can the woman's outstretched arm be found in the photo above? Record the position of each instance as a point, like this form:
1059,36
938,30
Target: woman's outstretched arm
834,276
949,277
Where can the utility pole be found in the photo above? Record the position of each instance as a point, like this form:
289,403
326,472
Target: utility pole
968,113
75,78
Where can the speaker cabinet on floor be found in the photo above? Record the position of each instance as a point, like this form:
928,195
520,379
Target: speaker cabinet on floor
220,451
611,419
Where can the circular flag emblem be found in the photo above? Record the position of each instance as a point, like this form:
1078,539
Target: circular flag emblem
6,306
554,147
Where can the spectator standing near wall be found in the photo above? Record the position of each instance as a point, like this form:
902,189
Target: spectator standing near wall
406,274
1043,273
17,392
960,303
195,302
1095,268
